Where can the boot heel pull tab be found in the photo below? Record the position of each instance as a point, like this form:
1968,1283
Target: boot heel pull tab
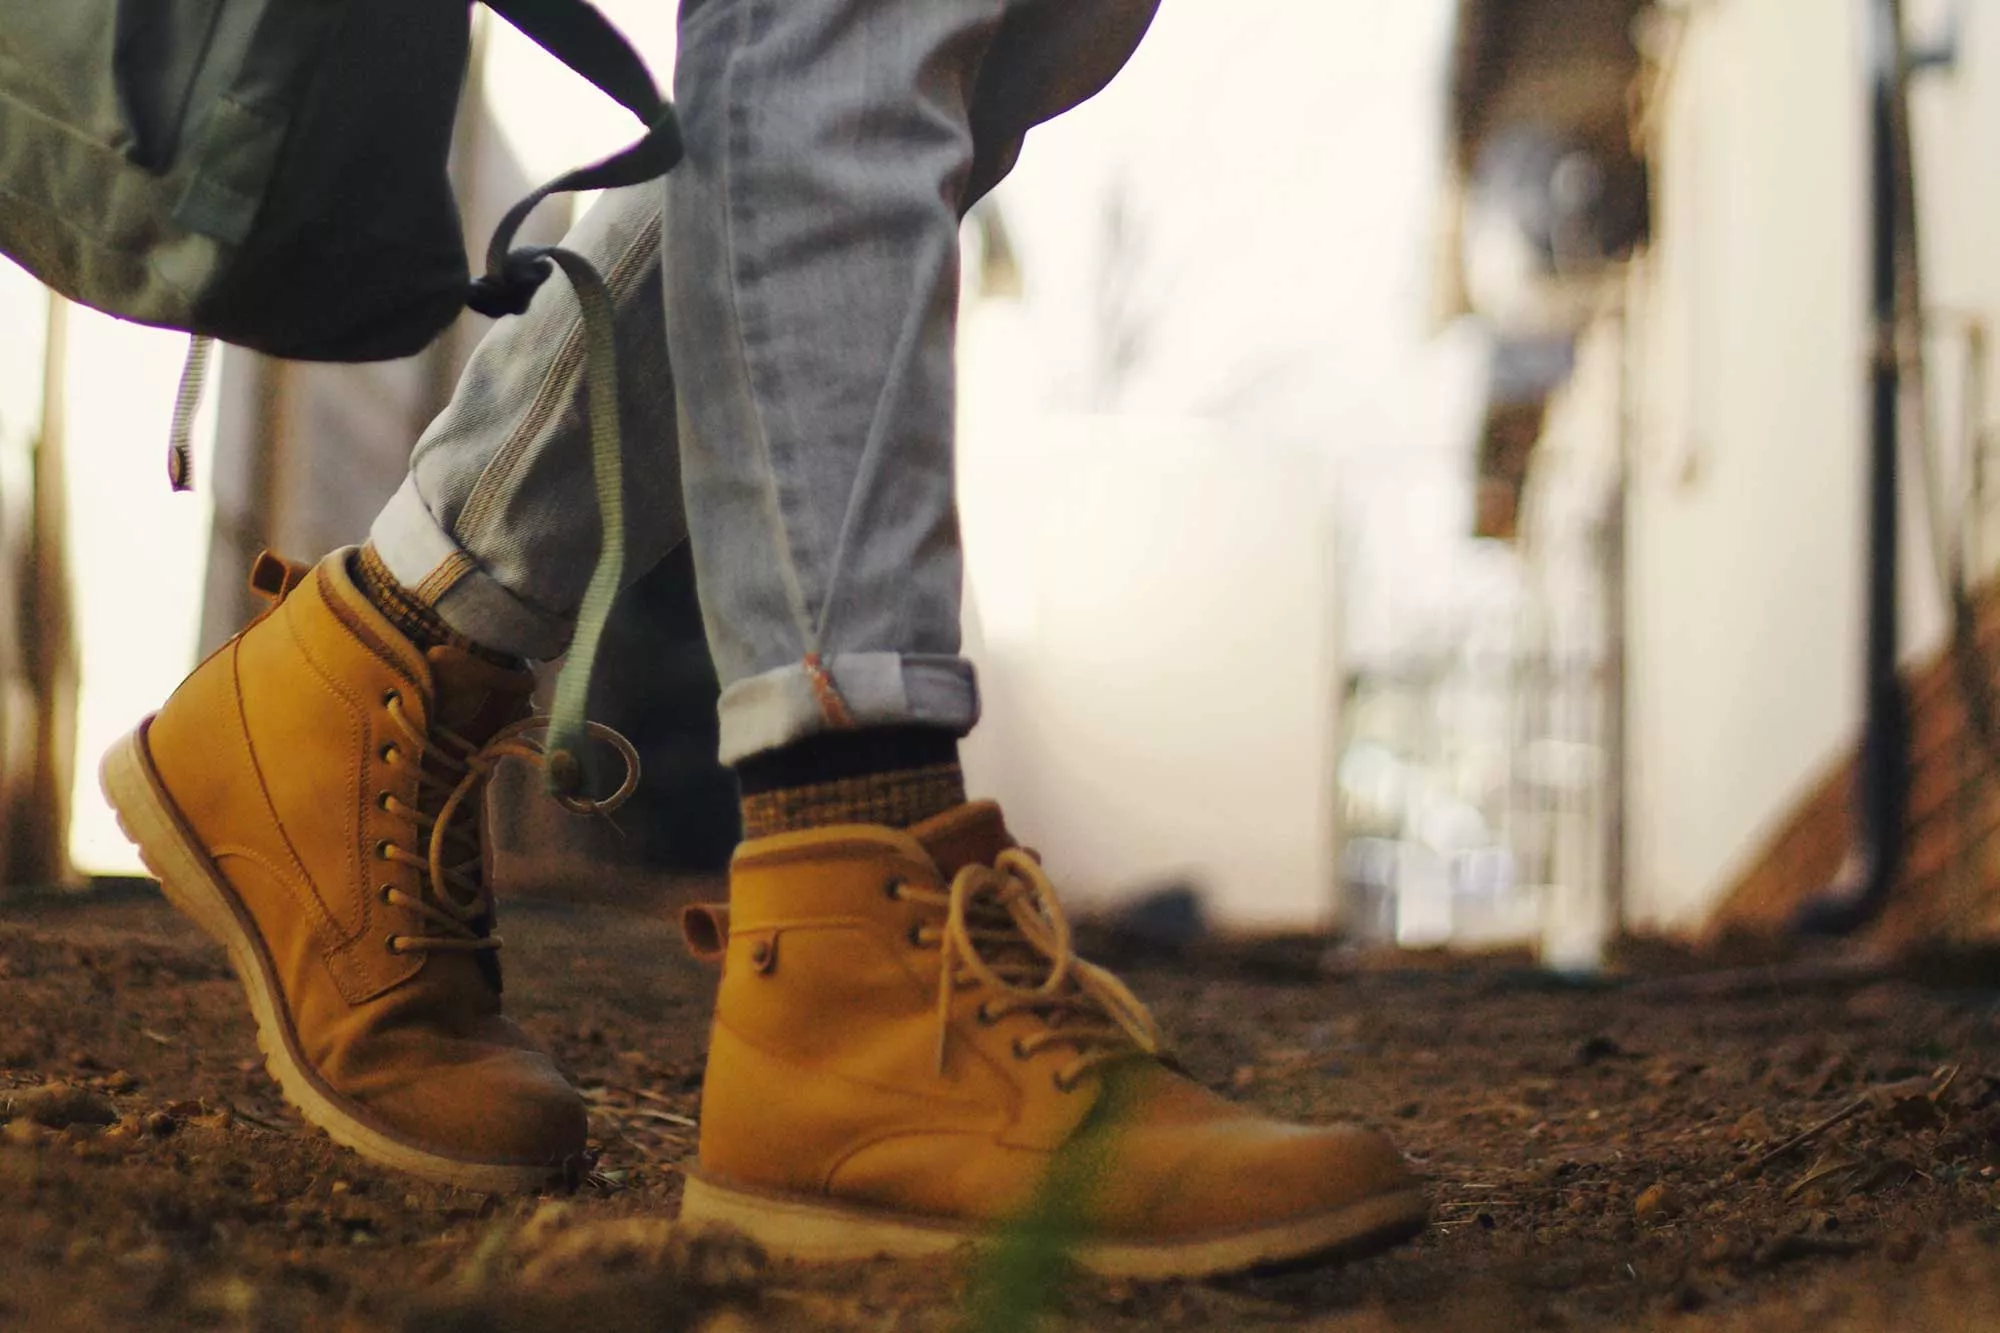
272,576
705,927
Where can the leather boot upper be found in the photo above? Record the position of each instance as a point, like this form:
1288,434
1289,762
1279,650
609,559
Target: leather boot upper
903,1025
313,757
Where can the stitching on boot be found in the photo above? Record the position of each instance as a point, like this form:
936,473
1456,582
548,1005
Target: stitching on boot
298,881
357,627
377,983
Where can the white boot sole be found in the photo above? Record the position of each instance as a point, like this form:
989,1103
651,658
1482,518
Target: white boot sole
813,1231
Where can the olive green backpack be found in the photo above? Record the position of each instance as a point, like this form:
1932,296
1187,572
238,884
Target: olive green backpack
273,174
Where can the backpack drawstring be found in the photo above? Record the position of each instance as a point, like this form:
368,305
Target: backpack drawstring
187,402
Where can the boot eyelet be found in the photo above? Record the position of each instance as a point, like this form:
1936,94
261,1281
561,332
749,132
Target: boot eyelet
382,800
915,935
383,848
391,755
893,890
391,697
387,895
985,1017
1020,1051
393,943
1062,1085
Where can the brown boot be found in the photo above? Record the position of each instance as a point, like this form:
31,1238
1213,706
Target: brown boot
907,1055
311,797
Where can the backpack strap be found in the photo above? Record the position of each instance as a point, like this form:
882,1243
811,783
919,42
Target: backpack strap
577,34
574,32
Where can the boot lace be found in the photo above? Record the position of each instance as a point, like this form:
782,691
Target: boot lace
456,902
1005,932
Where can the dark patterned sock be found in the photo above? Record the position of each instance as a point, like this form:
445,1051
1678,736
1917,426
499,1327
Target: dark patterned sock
896,776
418,623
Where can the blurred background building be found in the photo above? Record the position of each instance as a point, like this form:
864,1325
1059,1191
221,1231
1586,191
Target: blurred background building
1412,460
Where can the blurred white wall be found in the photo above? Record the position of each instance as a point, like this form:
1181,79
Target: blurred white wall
1748,544
1218,379
136,551
136,548
24,314
1155,615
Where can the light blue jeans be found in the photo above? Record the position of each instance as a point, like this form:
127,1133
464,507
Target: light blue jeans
800,434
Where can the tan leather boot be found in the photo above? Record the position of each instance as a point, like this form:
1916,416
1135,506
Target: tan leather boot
907,1055
311,797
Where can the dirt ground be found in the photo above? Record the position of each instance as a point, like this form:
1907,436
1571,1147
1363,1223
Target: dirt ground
1612,1157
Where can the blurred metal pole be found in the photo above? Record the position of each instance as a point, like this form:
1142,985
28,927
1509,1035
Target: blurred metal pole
1616,603
1882,779
37,845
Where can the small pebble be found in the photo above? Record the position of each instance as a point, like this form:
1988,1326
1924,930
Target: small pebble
1904,1246
120,1081
59,1105
23,1133
1658,1203
1754,1127
1591,1050
147,1258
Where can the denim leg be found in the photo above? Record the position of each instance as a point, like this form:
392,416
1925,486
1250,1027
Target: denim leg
496,524
808,250
812,283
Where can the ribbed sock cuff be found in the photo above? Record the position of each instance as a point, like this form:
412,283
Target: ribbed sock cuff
417,622
896,776
898,799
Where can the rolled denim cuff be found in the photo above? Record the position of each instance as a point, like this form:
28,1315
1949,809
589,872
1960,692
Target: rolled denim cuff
446,577
847,690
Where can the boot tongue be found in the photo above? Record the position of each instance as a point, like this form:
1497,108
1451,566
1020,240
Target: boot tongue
969,834
473,698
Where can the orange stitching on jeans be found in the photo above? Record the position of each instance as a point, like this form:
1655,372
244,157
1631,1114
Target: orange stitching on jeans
832,708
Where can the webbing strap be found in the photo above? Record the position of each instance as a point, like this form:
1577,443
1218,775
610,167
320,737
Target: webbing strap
577,33
567,723
583,39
